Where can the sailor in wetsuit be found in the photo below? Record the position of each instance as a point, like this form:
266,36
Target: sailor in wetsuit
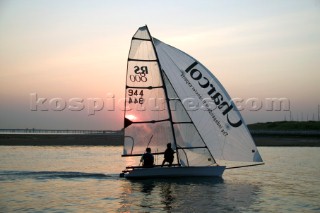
147,159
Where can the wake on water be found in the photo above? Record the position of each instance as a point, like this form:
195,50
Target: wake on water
47,175
67,175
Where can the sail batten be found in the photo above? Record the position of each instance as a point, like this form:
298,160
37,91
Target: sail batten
152,121
141,39
149,87
145,60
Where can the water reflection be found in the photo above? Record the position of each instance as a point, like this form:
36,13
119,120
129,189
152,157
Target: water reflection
167,196
187,195
147,187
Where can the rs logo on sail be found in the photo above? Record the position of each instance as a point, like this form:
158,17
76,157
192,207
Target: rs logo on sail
141,73
218,99
143,70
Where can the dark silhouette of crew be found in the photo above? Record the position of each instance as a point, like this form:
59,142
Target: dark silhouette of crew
168,155
147,159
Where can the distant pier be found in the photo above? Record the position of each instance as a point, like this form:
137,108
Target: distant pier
56,131
48,137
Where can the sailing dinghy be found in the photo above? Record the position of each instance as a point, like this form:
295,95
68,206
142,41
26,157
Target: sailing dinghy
172,98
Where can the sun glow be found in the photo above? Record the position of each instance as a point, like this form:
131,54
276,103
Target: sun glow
131,117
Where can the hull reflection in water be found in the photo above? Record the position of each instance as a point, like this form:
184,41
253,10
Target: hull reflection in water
176,194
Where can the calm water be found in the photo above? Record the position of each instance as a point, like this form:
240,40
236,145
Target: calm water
86,179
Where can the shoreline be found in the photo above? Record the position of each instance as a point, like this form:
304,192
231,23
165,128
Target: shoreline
61,139
286,140
117,140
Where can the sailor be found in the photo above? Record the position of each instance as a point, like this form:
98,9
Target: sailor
147,159
168,155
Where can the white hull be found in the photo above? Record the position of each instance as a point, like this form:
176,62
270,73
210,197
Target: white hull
196,171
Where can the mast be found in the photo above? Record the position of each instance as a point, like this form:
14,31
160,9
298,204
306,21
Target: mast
167,99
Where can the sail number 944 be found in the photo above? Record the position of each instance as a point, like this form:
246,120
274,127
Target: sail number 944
134,96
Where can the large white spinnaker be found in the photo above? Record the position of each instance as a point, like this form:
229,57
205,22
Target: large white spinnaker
209,106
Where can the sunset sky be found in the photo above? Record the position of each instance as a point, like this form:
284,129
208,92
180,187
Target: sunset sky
76,49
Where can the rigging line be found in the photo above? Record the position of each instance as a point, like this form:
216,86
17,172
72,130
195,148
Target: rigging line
184,154
236,167
149,141
194,147
134,155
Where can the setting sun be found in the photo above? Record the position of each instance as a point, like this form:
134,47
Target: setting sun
131,117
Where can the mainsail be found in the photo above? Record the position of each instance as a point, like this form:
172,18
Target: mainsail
173,98
147,119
